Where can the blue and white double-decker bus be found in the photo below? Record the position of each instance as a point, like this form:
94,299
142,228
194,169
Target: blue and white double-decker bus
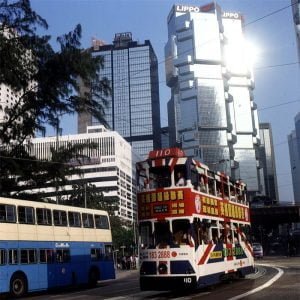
44,245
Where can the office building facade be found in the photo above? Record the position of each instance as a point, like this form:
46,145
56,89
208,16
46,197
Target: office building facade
294,150
110,167
211,90
267,158
133,106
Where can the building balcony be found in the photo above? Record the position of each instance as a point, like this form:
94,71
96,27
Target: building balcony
188,94
228,97
231,138
182,26
185,85
253,105
184,35
183,60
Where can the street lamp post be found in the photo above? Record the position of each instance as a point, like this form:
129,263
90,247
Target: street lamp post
115,258
123,247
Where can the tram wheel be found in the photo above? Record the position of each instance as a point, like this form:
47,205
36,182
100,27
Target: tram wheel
18,285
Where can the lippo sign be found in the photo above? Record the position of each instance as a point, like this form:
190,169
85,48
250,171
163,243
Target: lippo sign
187,8
231,15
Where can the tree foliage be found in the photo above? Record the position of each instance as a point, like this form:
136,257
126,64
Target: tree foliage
47,85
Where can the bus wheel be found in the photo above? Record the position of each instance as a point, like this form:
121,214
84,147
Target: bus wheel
18,285
93,277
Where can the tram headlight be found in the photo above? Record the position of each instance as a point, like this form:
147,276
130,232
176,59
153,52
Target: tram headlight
162,268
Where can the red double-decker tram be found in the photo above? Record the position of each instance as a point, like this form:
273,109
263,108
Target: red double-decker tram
193,223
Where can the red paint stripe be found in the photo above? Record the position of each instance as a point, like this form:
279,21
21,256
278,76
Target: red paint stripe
249,248
206,253
246,243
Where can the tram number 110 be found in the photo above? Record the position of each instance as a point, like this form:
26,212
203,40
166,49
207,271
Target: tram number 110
187,280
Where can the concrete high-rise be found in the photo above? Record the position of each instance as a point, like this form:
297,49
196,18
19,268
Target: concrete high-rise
133,106
267,158
294,149
208,71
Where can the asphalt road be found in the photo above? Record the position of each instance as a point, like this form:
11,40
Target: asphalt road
275,278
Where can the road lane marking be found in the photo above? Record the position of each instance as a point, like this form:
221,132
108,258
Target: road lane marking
265,285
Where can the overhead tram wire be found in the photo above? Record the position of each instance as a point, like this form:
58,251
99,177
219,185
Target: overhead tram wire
163,133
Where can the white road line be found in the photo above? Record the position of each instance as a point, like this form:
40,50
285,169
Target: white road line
265,285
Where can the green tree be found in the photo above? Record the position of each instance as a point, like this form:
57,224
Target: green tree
47,84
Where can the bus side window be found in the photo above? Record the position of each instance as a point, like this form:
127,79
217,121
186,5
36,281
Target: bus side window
88,220
108,252
60,217
28,256
95,254
13,256
101,222
2,256
62,255
44,216
26,215
46,256
74,219
7,213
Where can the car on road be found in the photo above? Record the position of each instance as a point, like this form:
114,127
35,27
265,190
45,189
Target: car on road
258,251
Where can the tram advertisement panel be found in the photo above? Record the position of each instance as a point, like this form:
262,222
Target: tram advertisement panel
184,202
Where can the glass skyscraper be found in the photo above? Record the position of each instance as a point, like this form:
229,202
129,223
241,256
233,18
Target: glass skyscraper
211,85
267,158
294,149
133,109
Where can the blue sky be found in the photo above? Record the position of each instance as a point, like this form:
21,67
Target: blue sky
273,36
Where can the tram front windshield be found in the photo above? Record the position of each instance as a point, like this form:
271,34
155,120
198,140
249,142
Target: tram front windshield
165,233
